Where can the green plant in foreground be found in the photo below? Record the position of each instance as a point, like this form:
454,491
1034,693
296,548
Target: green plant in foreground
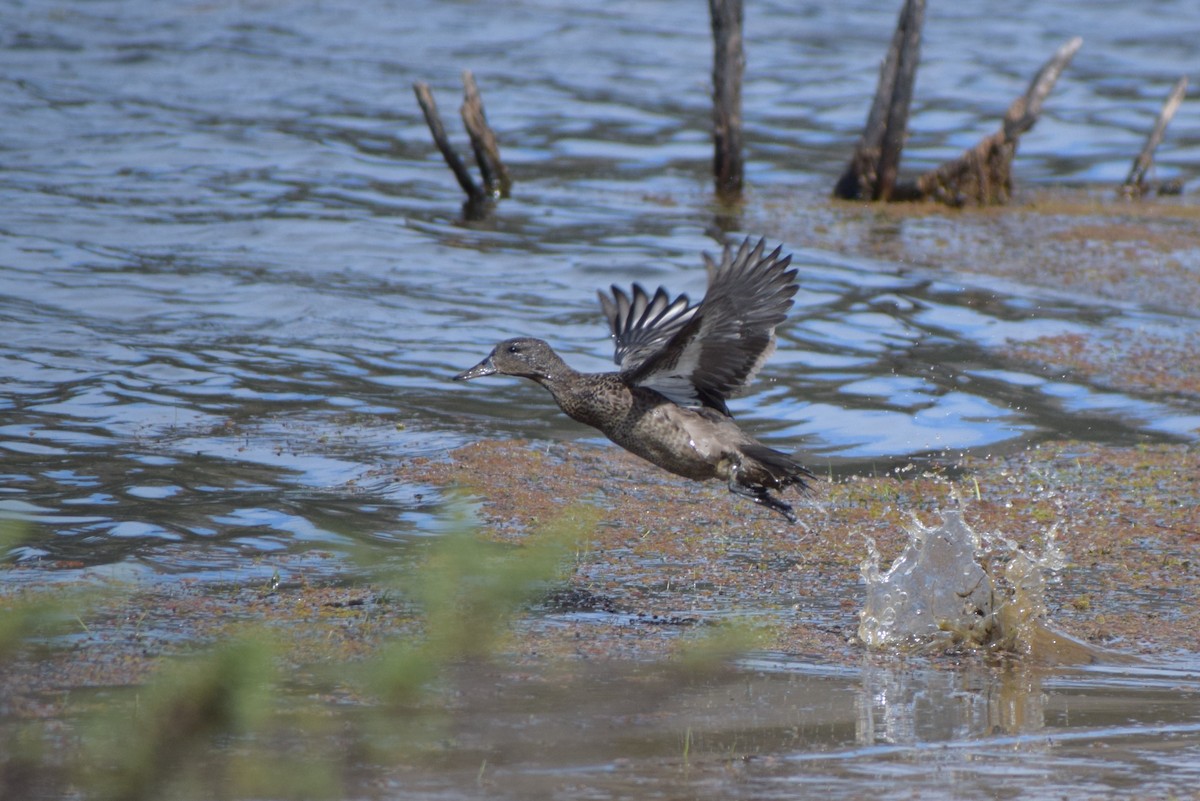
21,613
711,647
148,739
227,722
469,590
214,722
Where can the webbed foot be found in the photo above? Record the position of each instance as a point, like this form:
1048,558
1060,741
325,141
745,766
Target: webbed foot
759,495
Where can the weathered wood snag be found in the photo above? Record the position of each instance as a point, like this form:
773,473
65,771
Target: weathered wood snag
729,64
434,121
1136,185
983,175
496,182
872,172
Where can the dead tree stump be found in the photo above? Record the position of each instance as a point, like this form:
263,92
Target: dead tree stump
873,169
1136,185
496,181
729,64
983,175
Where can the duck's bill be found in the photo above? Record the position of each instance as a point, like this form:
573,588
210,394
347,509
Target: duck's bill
485,367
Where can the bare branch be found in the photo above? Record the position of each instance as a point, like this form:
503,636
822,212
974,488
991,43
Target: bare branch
434,121
872,172
983,174
496,180
1135,184
1024,111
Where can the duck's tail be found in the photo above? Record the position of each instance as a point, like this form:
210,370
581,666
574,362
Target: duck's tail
768,467
762,469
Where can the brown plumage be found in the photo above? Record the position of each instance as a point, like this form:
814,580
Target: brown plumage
678,364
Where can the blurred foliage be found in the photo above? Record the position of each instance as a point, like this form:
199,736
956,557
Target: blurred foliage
468,591
21,614
145,742
227,722
712,647
30,616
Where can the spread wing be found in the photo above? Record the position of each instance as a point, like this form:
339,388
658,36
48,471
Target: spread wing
641,325
704,354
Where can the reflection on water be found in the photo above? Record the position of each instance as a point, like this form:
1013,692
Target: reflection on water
904,707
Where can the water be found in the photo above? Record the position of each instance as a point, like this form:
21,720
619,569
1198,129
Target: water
234,279
955,587
232,260
796,731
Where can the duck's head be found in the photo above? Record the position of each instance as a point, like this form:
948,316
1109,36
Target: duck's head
524,356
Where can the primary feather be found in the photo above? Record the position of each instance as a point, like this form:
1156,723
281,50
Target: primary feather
701,355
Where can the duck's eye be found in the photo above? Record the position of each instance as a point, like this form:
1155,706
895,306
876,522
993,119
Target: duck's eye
514,348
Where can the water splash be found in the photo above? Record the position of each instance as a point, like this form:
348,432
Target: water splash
955,587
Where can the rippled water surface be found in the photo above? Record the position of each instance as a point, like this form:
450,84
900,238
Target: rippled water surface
233,264
234,275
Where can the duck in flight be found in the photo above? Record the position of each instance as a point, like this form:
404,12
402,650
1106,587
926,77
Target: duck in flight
678,363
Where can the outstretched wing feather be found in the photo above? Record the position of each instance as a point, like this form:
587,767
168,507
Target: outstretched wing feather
642,324
716,351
